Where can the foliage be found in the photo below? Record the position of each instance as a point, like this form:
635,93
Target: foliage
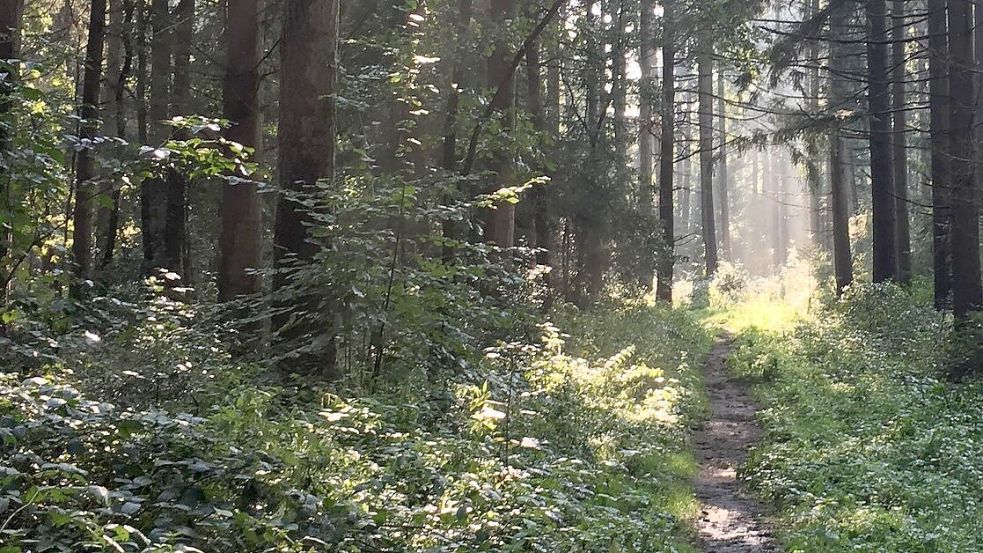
868,447
535,448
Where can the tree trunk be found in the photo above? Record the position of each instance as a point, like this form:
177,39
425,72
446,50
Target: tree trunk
705,87
685,191
462,24
900,153
142,26
175,225
542,223
646,97
938,67
306,136
773,194
11,12
591,225
783,176
112,113
534,105
967,289
500,222
619,86
153,192
724,199
85,172
119,63
241,239
885,262
839,193
667,158
816,187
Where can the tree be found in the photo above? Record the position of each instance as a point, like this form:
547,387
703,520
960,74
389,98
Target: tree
967,287
667,157
839,195
153,191
938,66
705,91
885,265
500,222
11,12
118,64
176,213
306,137
773,192
646,94
85,171
723,177
898,142
816,185
241,239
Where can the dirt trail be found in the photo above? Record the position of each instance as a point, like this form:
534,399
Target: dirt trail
731,521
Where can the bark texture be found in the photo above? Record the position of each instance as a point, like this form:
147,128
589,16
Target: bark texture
308,76
240,240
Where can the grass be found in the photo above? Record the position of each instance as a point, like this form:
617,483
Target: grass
868,446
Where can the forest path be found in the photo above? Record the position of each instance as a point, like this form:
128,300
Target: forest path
730,521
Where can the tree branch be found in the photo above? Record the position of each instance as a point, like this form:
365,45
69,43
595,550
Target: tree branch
479,125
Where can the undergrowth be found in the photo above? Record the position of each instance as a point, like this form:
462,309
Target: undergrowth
868,446
568,443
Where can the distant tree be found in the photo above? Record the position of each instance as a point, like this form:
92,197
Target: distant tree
646,94
723,176
176,213
667,156
118,69
705,90
153,191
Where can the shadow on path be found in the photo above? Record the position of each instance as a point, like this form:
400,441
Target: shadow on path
730,521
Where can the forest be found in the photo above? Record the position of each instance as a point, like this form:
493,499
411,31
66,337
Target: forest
681,276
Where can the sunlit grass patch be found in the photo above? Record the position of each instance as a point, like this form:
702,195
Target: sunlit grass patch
758,313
